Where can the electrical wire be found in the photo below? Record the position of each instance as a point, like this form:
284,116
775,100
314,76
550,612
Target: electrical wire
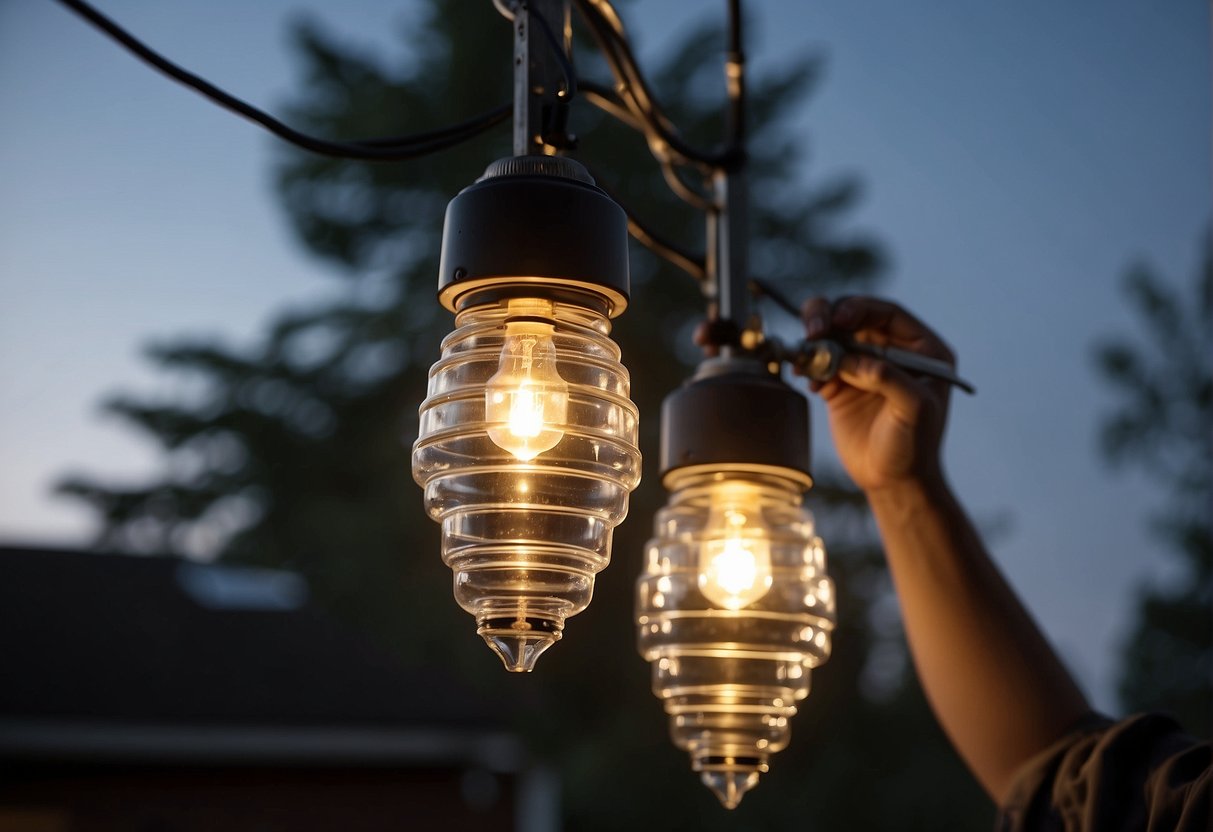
605,99
637,109
762,289
459,131
684,260
610,103
562,57
385,149
609,15
607,30
684,191
692,264
604,24
638,84
655,129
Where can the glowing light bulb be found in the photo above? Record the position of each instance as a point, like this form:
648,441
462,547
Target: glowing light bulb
526,402
735,555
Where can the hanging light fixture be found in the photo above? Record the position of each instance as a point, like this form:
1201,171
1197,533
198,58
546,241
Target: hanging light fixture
734,607
527,449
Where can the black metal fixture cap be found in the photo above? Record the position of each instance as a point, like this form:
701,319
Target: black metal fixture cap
534,221
734,413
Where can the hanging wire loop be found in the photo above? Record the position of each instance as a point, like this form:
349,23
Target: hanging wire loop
391,149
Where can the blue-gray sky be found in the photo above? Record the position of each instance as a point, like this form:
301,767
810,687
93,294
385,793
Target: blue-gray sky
1017,157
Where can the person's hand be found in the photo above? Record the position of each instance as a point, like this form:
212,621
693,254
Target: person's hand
887,424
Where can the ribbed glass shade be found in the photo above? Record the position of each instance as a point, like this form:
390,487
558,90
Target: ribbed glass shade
734,610
527,453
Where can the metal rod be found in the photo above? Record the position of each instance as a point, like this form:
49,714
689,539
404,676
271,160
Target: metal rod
734,70
732,224
538,70
732,276
819,359
525,110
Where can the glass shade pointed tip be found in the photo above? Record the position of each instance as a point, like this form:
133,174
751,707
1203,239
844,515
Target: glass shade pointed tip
730,786
520,643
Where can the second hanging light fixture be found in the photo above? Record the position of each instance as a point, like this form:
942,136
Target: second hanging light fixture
734,607
527,448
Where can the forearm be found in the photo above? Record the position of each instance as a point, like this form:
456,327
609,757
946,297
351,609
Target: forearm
994,682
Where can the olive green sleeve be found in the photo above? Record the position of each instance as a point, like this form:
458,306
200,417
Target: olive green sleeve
1142,773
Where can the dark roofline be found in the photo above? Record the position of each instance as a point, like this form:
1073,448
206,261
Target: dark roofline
81,740
122,639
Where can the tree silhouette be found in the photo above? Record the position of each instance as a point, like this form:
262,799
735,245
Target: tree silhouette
1162,426
295,452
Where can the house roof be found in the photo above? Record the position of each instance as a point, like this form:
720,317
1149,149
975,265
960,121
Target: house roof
118,647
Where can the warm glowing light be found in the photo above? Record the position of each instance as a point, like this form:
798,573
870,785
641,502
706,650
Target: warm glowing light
526,402
735,555
525,539
722,618
527,439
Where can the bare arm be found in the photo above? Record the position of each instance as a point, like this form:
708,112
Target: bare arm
996,686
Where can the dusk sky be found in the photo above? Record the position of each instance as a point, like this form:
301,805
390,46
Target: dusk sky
1017,157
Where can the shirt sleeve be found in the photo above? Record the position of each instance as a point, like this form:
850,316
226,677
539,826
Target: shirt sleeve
1142,773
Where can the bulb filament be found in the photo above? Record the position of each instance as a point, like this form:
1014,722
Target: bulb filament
526,401
734,557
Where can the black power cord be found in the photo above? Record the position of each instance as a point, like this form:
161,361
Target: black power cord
391,149
689,262
632,84
646,117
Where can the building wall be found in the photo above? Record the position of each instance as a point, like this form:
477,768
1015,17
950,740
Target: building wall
88,798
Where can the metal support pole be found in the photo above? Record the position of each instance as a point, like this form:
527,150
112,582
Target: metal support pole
728,226
732,256
537,72
711,263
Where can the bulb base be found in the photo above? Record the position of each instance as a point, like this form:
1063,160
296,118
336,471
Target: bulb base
735,413
537,222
